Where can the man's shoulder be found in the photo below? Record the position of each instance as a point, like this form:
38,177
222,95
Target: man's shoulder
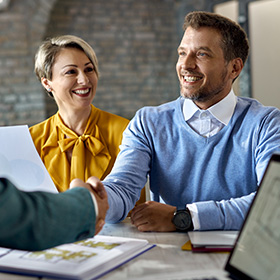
255,108
163,109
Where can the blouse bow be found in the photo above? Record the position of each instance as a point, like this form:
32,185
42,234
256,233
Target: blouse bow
78,142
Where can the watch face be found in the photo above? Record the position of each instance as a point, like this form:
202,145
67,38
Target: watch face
182,220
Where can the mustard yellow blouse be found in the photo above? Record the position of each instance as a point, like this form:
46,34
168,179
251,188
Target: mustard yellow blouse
93,153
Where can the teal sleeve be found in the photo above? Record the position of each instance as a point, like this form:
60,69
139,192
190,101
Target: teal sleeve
39,220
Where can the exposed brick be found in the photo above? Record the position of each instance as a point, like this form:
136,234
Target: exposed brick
135,42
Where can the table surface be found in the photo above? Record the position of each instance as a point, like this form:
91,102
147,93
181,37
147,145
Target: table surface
166,259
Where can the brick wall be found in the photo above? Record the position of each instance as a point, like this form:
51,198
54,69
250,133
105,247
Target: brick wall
135,42
21,27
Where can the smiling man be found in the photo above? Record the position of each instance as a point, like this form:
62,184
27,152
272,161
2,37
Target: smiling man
206,152
205,75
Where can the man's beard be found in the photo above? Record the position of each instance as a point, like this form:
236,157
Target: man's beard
206,93
203,94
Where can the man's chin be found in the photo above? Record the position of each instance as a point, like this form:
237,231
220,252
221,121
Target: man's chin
197,96
189,96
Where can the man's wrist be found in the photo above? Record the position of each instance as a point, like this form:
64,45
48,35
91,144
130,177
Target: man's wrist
195,217
95,204
182,220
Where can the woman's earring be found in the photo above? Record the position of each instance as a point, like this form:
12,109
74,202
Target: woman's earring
49,89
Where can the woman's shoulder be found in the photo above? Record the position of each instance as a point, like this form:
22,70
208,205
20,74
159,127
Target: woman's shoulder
109,119
41,131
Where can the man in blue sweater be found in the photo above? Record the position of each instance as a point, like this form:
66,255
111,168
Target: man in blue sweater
206,152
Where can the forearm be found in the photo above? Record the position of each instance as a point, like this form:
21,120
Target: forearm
35,221
225,214
122,197
124,185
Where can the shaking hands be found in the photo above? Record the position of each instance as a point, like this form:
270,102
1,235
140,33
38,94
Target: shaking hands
95,186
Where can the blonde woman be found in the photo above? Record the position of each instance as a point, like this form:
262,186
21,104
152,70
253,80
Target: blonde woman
80,140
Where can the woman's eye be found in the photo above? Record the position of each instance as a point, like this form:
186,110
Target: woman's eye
89,69
71,71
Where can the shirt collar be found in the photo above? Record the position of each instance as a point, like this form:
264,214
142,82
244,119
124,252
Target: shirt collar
222,110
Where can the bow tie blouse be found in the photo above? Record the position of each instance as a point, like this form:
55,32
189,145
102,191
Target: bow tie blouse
93,153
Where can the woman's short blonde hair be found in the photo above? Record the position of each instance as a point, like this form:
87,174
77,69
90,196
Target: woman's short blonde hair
47,52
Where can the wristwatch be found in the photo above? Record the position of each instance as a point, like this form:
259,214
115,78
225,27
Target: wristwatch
182,220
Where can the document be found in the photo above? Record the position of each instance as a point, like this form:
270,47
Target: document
212,241
86,259
20,161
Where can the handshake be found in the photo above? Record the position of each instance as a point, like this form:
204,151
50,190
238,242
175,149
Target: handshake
97,190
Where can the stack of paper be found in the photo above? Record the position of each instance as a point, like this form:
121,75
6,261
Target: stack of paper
211,241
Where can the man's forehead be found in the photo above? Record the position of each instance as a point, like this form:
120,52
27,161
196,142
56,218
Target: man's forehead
203,37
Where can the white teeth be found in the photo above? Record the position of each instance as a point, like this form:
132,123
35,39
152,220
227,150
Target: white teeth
191,78
81,91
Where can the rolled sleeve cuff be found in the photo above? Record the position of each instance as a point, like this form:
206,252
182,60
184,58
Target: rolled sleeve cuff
95,205
194,213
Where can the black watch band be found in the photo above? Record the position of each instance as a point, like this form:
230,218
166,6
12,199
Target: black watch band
182,220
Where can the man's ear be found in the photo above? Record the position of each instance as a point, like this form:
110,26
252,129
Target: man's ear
237,66
46,84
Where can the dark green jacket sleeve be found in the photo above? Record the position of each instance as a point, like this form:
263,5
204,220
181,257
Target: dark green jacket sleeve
39,220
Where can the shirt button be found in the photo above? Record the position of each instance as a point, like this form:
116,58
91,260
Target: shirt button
203,115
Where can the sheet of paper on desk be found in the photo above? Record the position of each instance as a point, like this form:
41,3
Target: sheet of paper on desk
20,162
86,259
212,240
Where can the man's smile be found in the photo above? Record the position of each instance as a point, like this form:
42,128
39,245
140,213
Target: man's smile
191,78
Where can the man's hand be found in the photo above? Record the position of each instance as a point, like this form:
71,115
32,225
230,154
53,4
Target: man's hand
102,201
95,186
153,216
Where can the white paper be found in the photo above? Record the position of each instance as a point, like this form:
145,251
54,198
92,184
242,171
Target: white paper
212,238
20,162
184,274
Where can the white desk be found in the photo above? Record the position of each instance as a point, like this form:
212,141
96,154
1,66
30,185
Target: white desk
167,257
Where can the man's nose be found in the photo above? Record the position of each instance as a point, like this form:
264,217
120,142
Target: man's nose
189,62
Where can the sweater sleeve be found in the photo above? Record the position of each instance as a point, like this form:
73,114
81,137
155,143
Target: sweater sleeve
129,174
39,220
224,214
230,214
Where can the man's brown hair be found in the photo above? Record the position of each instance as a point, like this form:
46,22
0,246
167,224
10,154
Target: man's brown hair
234,39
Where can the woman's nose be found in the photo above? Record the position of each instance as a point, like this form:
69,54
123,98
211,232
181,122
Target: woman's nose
82,78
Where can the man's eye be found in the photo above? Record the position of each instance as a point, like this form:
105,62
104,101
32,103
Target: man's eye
201,54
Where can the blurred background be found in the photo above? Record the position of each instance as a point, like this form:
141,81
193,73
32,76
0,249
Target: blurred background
136,44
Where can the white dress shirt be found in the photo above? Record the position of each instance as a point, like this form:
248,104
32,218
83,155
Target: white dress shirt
207,123
95,205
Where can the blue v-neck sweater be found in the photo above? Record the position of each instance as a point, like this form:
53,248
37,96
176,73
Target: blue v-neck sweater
218,173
